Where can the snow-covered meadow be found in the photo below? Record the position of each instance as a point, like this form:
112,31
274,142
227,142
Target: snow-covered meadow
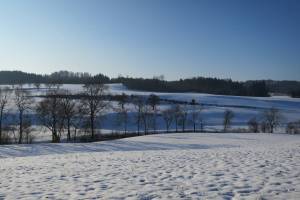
166,166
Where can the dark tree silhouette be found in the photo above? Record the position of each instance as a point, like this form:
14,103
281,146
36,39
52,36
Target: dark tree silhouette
69,111
51,114
139,107
4,97
272,118
153,101
94,103
183,116
177,115
195,115
168,116
23,103
253,125
122,112
228,116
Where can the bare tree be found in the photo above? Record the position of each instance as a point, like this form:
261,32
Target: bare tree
122,99
202,123
168,116
122,112
183,117
51,114
4,97
272,118
23,103
78,120
293,127
146,118
27,128
153,101
263,127
49,86
177,115
94,103
196,109
228,116
123,118
37,85
253,125
139,107
68,105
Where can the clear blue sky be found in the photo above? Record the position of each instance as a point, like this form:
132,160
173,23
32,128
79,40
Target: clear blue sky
242,39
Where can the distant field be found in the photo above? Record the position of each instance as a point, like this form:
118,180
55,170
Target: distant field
214,106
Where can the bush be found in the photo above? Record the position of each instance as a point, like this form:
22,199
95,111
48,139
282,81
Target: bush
253,125
6,138
293,127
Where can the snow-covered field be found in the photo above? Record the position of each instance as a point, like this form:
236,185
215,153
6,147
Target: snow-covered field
244,108
167,166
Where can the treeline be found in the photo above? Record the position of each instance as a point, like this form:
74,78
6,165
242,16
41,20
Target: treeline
61,77
157,84
198,85
295,93
284,87
78,117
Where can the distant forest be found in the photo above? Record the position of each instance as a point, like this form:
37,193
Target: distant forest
259,88
61,77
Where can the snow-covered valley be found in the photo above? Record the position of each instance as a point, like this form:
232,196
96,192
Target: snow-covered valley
244,108
166,166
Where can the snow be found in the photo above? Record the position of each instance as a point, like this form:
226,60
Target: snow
166,166
244,108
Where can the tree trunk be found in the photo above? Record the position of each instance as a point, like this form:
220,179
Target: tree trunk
20,127
69,131
92,126
154,121
1,116
125,127
272,128
75,133
138,123
145,126
55,138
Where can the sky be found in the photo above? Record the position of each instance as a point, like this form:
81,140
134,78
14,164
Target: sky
238,39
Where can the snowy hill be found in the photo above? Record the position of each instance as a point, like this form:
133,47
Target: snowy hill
167,166
214,105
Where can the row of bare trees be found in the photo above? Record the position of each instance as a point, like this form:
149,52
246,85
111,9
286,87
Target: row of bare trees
61,111
64,113
22,104
271,119
58,111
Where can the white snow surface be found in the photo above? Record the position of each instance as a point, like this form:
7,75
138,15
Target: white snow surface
166,166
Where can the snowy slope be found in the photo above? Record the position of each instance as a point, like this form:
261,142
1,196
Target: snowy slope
244,108
170,166
290,107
